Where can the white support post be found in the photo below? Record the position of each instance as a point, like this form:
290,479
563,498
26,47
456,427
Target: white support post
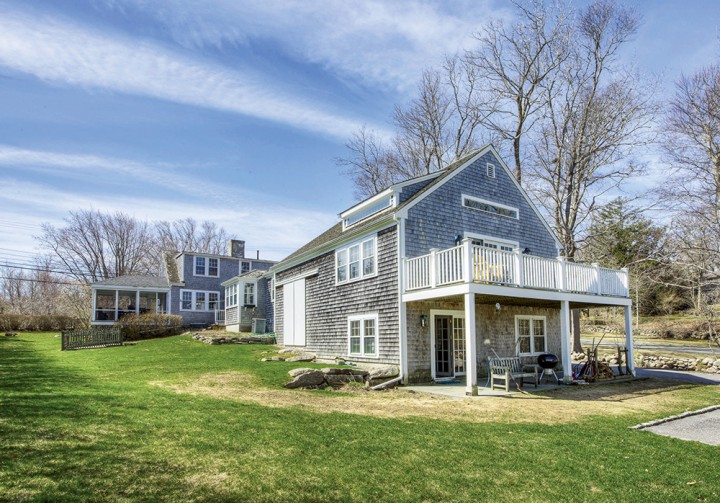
117,302
468,260
137,302
565,340
470,346
94,305
562,265
629,340
596,278
433,267
519,269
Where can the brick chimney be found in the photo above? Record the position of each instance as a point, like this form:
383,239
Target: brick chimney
237,248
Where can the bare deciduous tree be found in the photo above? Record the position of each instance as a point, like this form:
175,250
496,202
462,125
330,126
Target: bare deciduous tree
439,126
514,62
95,246
189,235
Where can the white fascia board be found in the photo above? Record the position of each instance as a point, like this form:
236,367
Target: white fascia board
133,288
367,202
518,293
346,237
526,196
404,212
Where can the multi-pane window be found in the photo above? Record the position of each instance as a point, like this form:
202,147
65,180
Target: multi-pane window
530,335
244,267
363,335
249,294
490,207
191,300
213,301
206,266
200,301
187,300
231,295
199,266
356,261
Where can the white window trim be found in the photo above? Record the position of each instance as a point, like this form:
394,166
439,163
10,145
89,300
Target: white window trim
230,292
531,318
492,203
254,294
346,248
250,266
361,318
194,297
207,266
484,237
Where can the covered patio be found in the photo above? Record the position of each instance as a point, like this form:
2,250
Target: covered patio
117,297
520,306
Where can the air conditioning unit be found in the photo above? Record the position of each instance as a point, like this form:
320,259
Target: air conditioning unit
258,325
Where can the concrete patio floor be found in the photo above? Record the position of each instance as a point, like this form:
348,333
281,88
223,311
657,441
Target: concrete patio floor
457,389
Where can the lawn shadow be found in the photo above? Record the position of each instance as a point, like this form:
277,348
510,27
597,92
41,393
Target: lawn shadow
620,391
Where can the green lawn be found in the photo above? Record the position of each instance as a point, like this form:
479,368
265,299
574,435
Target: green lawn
128,424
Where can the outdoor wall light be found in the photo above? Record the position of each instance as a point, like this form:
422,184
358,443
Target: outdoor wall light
458,240
423,320
526,251
497,306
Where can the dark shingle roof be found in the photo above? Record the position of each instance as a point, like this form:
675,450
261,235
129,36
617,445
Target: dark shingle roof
135,281
336,231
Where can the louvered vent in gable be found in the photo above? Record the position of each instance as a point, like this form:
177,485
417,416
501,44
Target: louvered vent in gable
491,170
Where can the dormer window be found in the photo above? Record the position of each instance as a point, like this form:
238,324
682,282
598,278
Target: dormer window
368,208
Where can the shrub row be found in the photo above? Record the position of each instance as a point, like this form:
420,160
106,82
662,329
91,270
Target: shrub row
40,323
150,326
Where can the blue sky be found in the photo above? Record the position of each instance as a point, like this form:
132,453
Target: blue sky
233,111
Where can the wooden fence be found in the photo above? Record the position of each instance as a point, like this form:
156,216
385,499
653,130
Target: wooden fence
95,337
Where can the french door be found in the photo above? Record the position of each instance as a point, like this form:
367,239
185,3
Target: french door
449,344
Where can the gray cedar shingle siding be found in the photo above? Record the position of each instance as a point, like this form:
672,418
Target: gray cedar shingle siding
496,327
436,220
328,305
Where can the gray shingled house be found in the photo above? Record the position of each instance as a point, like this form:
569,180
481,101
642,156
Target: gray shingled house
189,284
437,274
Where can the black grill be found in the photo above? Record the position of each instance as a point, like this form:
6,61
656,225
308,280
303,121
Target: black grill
548,361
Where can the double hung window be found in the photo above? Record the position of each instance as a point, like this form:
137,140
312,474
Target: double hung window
206,266
192,300
363,335
356,261
530,334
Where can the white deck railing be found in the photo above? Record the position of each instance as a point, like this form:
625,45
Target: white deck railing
488,265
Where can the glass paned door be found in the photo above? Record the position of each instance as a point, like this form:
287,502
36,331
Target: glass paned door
443,346
459,345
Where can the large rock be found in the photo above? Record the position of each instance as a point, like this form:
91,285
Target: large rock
384,372
310,379
304,357
300,371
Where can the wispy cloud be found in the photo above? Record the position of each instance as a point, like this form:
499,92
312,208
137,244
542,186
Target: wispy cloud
277,230
380,42
60,51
